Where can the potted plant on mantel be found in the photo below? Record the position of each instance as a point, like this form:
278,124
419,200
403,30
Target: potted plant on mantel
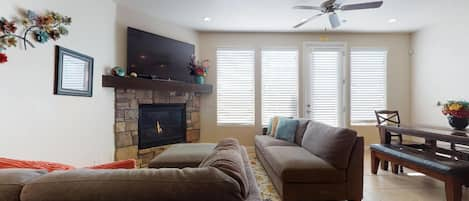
199,70
457,113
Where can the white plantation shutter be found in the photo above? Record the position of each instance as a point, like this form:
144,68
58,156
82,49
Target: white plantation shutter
368,84
235,87
279,84
325,89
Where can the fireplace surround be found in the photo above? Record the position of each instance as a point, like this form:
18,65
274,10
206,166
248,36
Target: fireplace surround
126,125
161,124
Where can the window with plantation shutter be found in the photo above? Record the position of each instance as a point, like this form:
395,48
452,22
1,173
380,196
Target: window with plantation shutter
368,84
279,84
325,86
235,87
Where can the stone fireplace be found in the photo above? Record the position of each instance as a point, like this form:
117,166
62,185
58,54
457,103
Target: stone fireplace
163,110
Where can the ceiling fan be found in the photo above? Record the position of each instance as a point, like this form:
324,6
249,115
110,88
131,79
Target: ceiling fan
330,7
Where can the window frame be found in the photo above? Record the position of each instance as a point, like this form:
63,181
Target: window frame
352,49
234,48
298,76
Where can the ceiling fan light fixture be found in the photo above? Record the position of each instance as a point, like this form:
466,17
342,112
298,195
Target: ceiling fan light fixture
392,20
334,19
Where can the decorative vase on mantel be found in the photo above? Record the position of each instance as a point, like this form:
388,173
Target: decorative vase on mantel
458,123
199,70
199,79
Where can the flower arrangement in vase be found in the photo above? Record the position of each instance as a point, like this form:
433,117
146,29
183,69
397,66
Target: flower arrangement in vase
457,113
199,69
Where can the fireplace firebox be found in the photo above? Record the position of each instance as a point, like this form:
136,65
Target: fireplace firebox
161,124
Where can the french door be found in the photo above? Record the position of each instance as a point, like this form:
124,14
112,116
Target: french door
324,83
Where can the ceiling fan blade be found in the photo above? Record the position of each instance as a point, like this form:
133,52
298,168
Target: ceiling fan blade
307,20
307,8
360,6
334,19
339,2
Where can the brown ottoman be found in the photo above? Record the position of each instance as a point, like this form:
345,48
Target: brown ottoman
182,155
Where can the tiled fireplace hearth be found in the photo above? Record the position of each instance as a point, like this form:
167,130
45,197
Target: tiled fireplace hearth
126,130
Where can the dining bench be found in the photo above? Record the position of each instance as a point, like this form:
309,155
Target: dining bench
455,173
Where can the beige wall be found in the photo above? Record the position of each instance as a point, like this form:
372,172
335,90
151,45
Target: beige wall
128,17
398,74
37,125
440,66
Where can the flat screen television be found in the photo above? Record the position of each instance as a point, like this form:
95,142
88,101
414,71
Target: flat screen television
157,57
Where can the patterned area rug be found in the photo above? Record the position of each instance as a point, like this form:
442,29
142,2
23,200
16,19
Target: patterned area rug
268,192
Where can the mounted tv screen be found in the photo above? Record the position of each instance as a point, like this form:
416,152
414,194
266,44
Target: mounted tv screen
158,57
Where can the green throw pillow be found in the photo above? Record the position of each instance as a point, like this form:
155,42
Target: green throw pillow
286,129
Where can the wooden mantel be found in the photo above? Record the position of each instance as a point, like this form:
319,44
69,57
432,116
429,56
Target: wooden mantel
161,85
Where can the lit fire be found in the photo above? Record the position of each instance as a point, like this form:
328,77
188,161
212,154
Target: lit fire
158,128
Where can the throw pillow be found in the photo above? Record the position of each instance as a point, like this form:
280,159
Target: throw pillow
269,127
274,126
123,164
286,129
51,166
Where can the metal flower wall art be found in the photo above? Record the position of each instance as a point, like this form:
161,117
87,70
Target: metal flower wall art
36,28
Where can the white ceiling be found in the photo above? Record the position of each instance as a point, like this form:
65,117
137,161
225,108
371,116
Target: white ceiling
277,15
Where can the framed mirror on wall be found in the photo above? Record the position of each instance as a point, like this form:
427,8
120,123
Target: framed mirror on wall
73,73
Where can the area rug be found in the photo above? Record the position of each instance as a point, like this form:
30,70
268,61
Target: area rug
268,192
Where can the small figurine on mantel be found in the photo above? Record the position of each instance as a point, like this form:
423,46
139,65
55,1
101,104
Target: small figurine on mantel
118,71
133,74
199,69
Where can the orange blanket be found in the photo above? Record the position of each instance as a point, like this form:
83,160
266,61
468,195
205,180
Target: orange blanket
51,166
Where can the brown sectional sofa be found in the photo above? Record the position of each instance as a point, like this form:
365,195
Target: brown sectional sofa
324,163
207,183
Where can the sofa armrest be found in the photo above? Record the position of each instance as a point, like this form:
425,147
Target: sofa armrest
355,170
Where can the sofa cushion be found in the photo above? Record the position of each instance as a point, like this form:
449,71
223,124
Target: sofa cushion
295,164
228,144
198,184
227,158
13,180
182,155
332,144
262,141
300,130
286,129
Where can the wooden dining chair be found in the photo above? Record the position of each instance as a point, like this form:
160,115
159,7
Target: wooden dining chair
389,117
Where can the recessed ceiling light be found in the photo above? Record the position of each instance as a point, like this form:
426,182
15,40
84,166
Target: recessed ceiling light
392,20
207,19
304,19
